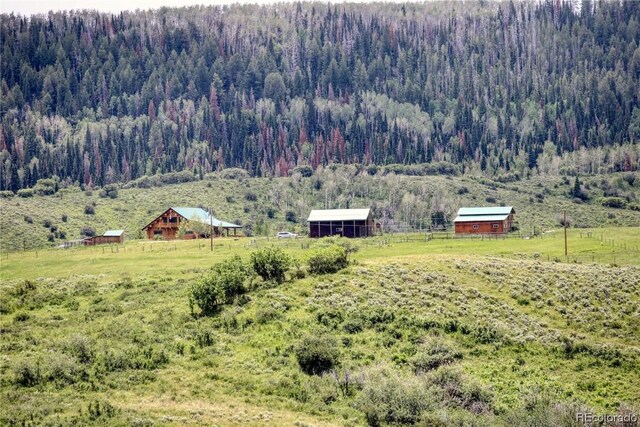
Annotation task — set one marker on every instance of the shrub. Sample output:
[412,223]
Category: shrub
[433,354]
[317,354]
[98,410]
[21,317]
[304,170]
[267,314]
[89,210]
[64,218]
[540,409]
[25,192]
[388,398]
[110,191]
[46,187]
[328,260]
[87,232]
[463,190]
[220,286]
[62,369]
[28,219]
[234,173]
[251,196]
[81,347]
[486,334]
[26,373]
[490,199]
[630,178]
[614,202]
[6,194]
[353,325]
[270,263]
[291,216]
[160,180]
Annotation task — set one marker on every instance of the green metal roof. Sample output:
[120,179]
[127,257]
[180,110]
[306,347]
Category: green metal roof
[193,213]
[491,210]
[480,218]
[203,216]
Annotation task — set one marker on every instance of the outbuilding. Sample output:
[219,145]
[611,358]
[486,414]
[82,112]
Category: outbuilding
[485,220]
[109,237]
[341,222]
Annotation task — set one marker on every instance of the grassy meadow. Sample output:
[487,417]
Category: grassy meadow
[467,331]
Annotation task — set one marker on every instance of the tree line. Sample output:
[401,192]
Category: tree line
[495,88]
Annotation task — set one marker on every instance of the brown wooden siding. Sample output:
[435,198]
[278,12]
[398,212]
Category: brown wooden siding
[103,240]
[483,227]
[166,225]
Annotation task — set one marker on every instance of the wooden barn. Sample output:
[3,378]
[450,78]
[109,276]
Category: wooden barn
[341,222]
[486,220]
[167,225]
[109,237]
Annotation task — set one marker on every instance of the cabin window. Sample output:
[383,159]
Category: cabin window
[495,225]
[476,226]
[157,232]
[173,220]
[165,220]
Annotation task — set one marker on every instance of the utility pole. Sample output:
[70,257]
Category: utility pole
[211,226]
[565,234]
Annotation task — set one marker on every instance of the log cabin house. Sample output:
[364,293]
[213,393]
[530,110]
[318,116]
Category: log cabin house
[341,222]
[167,225]
[485,220]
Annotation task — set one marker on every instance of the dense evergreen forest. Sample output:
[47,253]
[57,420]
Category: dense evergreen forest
[492,88]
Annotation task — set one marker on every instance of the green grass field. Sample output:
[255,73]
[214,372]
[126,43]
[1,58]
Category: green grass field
[512,332]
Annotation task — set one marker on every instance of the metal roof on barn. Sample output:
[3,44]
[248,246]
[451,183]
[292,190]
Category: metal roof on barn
[338,215]
[490,210]
[113,233]
[478,218]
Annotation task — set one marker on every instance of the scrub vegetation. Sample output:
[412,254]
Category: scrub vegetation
[410,332]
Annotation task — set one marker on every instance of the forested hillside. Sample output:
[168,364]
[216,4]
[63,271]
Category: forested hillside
[499,88]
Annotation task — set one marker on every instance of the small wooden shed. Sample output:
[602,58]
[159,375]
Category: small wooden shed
[341,222]
[109,236]
[484,220]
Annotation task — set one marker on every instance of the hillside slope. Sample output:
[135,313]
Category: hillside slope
[436,339]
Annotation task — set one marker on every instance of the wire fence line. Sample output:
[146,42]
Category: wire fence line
[623,253]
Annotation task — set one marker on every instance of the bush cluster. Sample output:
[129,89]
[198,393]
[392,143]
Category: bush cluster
[225,281]
[327,260]
[270,263]
[162,179]
[317,354]
[110,191]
